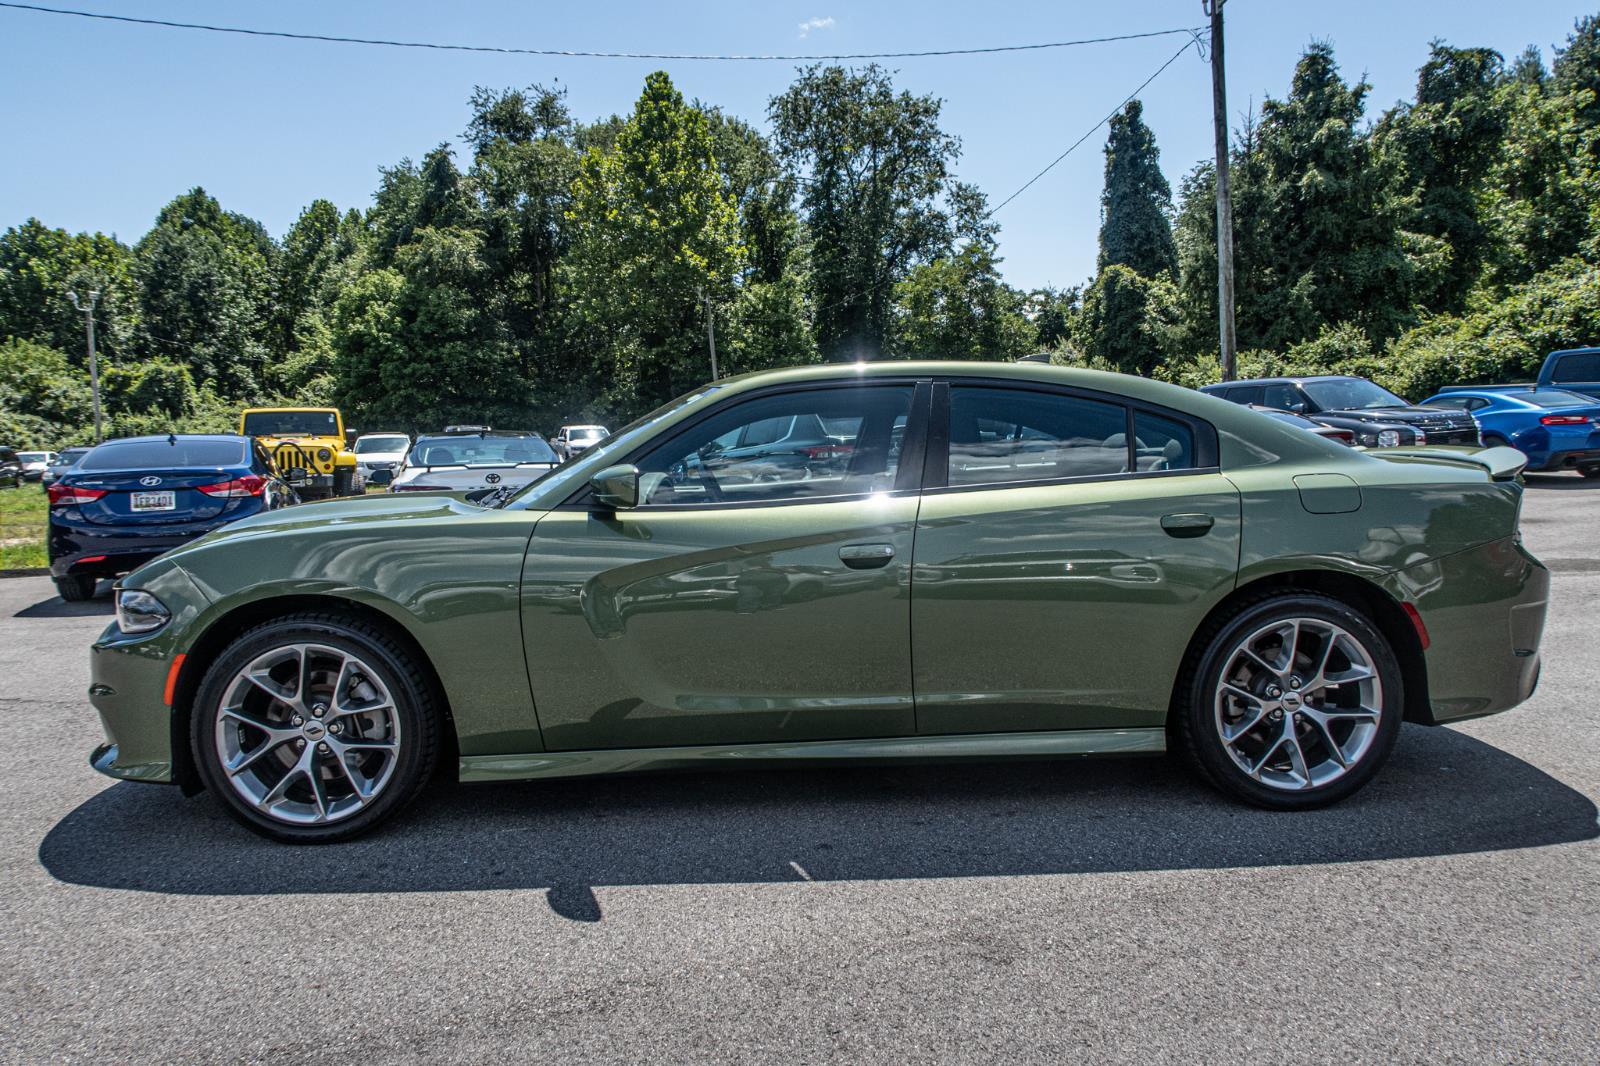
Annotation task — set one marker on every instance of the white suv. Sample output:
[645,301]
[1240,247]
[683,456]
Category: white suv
[570,440]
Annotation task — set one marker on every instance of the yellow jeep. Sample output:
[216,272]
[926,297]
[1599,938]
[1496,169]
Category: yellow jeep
[309,447]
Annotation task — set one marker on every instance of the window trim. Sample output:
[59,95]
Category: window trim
[907,481]
[936,476]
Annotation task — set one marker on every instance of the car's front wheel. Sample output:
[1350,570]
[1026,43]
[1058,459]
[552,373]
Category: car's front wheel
[314,728]
[1295,702]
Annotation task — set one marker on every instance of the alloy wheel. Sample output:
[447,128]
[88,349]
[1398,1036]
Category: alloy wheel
[1298,704]
[307,734]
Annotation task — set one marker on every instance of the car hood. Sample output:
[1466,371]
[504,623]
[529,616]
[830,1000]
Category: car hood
[344,512]
[1401,415]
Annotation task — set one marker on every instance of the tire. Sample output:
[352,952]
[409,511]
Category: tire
[1591,472]
[75,588]
[1339,745]
[298,766]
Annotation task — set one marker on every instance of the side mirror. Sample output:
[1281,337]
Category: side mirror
[616,487]
[1297,408]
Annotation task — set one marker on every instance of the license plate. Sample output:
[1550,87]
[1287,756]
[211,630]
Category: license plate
[155,501]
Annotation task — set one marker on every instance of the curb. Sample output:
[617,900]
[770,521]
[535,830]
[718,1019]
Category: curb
[26,571]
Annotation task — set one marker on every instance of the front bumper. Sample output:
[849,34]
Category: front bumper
[1484,610]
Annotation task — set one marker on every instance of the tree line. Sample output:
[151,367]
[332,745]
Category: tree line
[550,269]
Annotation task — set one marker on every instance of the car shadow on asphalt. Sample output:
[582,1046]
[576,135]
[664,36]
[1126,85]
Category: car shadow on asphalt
[56,607]
[1567,482]
[1443,793]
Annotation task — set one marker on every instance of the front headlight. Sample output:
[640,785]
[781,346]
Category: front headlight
[1389,438]
[323,455]
[140,612]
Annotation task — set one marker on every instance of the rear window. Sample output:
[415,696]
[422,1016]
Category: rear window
[33,457]
[1552,398]
[159,454]
[367,445]
[472,451]
[1579,366]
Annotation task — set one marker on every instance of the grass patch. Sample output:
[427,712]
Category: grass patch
[23,517]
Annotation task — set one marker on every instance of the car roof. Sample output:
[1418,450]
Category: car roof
[1296,379]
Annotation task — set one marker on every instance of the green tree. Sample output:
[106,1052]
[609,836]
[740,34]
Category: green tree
[1128,322]
[657,228]
[874,171]
[37,267]
[1136,204]
[206,292]
[1576,70]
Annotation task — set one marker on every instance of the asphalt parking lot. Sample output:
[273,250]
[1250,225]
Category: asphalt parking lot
[1103,911]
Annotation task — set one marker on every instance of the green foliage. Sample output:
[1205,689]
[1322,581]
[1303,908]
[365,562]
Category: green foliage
[1128,322]
[657,231]
[874,171]
[958,308]
[39,265]
[40,383]
[1136,206]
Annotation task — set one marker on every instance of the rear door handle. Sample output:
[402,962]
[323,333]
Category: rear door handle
[1187,525]
[866,556]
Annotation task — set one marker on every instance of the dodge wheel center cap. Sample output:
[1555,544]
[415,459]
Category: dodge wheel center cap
[313,729]
[1291,701]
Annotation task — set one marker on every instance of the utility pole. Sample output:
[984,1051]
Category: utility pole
[94,363]
[711,333]
[1219,118]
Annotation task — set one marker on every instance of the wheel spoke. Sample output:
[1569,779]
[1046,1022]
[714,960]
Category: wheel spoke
[1297,755]
[1321,722]
[303,692]
[1238,733]
[1266,757]
[246,759]
[358,785]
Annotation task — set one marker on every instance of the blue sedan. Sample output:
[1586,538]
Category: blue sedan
[130,500]
[1555,429]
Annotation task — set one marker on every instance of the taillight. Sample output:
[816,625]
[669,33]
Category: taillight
[828,451]
[249,485]
[67,495]
[1563,420]
[1343,436]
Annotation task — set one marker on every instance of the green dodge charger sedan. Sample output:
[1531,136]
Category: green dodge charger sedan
[841,563]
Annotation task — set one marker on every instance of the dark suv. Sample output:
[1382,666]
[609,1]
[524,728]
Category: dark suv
[1371,412]
[10,467]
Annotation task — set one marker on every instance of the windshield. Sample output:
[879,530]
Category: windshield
[71,455]
[33,457]
[618,443]
[164,455]
[466,450]
[291,424]
[1351,394]
[586,433]
[367,445]
[1552,398]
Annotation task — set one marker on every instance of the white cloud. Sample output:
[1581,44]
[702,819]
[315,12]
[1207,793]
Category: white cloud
[816,24]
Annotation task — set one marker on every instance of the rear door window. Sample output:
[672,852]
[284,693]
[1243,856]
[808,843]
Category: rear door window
[1003,435]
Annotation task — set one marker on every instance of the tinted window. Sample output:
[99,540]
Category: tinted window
[1551,398]
[1580,366]
[1350,394]
[1163,443]
[469,450]
[1450,401]
[1282,397]
[1003,435]
[291,423]
[796,445]
[1245,394]
[382,444]
[159,454]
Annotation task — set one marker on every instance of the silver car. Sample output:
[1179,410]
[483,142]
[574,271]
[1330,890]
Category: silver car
[571,440]
[34,464]
[63,461]
[488,459]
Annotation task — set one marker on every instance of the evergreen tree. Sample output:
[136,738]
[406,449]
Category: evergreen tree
[1136,205]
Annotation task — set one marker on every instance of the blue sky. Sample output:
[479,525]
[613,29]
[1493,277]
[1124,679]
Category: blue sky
[104,123]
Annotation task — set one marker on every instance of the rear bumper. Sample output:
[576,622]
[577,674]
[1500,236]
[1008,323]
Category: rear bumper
[1568,460]
[1484,610]
[78,546]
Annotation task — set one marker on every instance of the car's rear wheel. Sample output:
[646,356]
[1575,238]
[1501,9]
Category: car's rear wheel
[1295,702]
[75,588]
[1590,471]
[314,728]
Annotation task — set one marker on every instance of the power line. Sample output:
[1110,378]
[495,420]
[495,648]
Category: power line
[576,54]
[1093,130]
[1195,41]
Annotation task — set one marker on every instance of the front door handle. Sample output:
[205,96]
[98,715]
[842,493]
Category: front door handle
[1187,525]
[866,556]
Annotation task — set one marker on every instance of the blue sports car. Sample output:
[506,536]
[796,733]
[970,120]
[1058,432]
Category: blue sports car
[1555,429]
[130,500]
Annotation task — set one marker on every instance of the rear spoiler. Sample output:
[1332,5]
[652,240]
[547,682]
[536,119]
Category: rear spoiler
[1501,464]
[1529,387]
